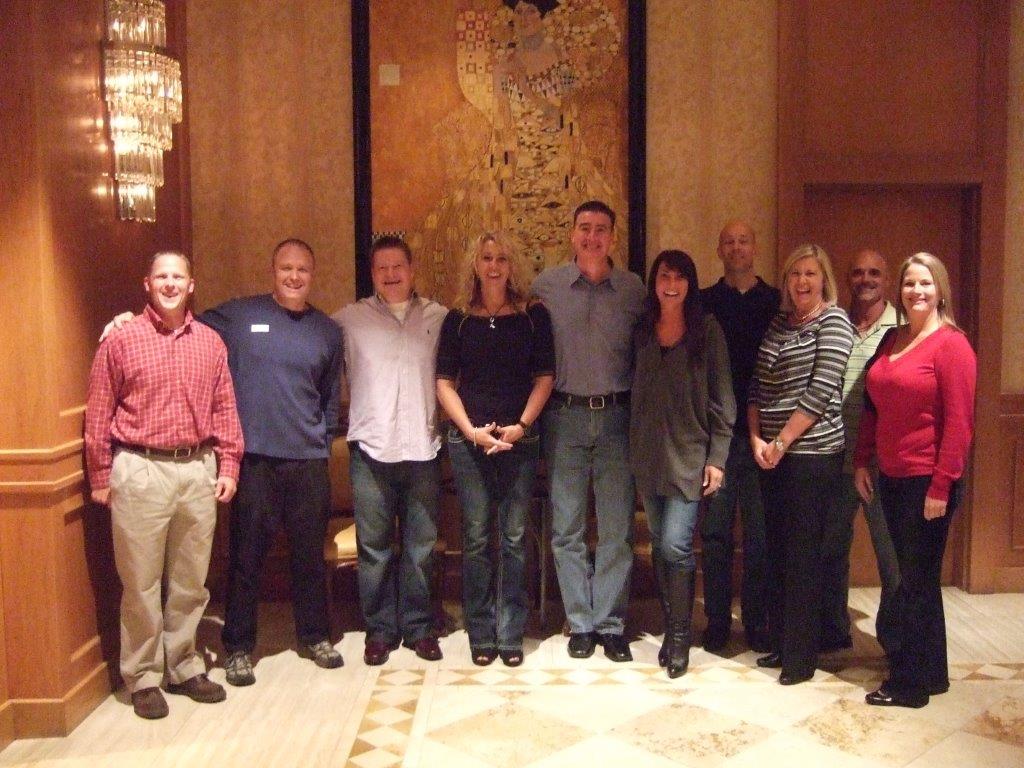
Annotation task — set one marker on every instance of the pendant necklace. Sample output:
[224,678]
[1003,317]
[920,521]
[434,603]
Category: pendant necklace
[493,315]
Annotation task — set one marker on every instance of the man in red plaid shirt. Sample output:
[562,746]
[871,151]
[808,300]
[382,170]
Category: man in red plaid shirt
[163,445]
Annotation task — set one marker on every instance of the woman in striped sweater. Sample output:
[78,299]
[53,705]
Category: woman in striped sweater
[796,433]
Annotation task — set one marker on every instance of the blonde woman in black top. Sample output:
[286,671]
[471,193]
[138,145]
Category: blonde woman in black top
[495,371]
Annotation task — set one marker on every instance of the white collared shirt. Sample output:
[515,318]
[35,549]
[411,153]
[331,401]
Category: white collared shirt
[390,369]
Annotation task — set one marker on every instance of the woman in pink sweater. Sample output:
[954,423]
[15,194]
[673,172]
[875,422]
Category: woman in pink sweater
[918,421]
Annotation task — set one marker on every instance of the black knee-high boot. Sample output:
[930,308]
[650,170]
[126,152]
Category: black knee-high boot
[679,583]
[658,566]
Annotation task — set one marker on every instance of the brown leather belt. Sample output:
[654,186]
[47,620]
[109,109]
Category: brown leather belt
[181,452]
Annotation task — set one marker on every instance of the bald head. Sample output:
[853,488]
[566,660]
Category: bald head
[737,247]
[868,279]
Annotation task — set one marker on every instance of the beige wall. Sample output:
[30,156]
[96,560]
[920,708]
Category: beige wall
[1013,297]
[711,126]
[270,105]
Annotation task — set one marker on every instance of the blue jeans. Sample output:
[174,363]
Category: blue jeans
[740,484]
[580,444]
[835,620]
[395,605]
[672,520]
[494,600]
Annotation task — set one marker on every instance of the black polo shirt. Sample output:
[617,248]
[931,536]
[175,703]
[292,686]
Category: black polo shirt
[744,317]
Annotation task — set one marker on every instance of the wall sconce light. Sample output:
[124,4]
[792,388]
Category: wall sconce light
[142,88]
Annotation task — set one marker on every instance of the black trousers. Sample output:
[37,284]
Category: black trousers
[799,518]
[275,493]
[916,640]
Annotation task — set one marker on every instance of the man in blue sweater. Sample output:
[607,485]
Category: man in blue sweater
[285,357]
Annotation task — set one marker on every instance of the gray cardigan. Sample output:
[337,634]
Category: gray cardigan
[683,411]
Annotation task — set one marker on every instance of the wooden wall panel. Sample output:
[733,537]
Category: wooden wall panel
[75,265]
[893,78]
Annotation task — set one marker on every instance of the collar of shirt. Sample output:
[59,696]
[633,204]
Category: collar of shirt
[153,316]
[576,277]
[885,321]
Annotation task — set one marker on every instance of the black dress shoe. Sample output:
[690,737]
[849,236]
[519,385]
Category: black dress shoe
[426,648]
[887,698]
[790,678]
[376,652]
[771,661]
[581,645]
[616,647]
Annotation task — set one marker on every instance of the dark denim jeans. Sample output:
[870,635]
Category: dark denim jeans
[395,605]
[580,444]
[741,484]
[494,599]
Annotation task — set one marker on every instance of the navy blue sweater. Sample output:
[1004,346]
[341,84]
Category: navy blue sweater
[286,368]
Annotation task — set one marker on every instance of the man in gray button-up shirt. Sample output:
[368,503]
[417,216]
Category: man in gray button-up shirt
[594,308]
[390,342]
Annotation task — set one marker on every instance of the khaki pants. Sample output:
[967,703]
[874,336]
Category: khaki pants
[163,514]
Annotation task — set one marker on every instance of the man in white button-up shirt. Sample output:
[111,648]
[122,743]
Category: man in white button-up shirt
[390,342]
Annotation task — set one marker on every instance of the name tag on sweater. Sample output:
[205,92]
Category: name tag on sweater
[259,328]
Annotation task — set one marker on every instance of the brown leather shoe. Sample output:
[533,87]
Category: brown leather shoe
[149,703]
[377,652]
[199,688]
[426,648]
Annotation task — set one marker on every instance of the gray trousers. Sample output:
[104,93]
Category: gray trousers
[835,618]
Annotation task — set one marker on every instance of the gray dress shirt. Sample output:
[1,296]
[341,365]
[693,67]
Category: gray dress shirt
[390,370]
[593,327]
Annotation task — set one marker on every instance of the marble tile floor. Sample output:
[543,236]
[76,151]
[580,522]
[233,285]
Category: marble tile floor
[556,711]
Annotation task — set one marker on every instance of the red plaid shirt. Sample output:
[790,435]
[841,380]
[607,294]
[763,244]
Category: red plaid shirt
[161,388]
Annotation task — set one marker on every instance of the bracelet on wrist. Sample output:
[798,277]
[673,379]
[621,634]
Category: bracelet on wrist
[525,427]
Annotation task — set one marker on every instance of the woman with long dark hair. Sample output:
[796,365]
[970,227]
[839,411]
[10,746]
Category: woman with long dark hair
[918,419]
[681,422]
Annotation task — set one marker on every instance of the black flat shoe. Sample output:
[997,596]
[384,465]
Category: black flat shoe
[787,678]
[771,661]
[885,698]
[511,658]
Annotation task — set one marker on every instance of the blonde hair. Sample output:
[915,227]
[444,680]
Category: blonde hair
[941,279]
[829,291]
[517,288]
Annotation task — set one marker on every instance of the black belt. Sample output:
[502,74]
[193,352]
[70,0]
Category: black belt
[181,452]
[593,402]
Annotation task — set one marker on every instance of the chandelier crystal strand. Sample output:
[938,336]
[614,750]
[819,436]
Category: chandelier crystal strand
[144,99]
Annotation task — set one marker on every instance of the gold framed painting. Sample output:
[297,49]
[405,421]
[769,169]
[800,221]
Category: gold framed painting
[479,116]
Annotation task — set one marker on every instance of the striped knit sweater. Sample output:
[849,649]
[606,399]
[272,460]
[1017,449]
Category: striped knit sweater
[803,368]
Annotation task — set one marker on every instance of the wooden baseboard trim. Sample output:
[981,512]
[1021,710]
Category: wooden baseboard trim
[41,718]
[6,724]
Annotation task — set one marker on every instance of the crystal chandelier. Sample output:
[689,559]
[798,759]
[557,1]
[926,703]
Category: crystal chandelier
[142,87]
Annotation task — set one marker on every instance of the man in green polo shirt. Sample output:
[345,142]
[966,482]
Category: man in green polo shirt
[873,316]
